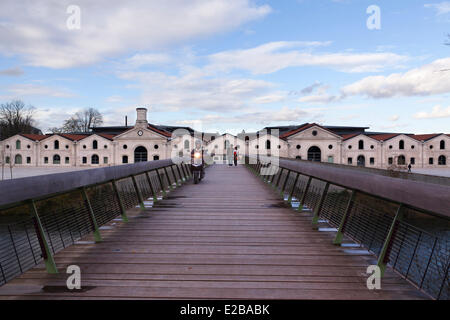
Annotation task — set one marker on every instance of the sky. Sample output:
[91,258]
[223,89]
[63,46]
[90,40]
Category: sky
[231,65]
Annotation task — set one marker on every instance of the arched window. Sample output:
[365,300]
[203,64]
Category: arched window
[442,145]
[94,159]
[247,138]
[401,144]
[314,154]
[140,154]
[268,144]
[213,138]
[442,161]
[401,160]
[7,160]
[361,145]
[186,144]
[155,157]
[56,145]
[18,144]
[18,159]
[226,144]
[56,159]
[94,144]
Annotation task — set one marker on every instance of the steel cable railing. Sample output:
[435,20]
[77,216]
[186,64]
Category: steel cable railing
[395,232]
[49,223]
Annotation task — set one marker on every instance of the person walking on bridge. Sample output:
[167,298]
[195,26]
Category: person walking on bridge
[235,155]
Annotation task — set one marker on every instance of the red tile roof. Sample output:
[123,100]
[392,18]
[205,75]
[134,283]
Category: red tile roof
[164,133]
[424,137]
[106,136]
[349,136]
[306,126]
[384,136]
[34,137]
[74,137]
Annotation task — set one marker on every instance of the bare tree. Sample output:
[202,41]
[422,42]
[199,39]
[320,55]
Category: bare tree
[82,121]
[16,118]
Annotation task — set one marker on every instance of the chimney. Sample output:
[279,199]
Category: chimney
[141,119]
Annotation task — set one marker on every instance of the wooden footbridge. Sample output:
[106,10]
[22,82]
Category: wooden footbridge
[230,237]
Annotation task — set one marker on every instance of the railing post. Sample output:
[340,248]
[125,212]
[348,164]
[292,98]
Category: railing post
[293,188]
[97,235]
[49,261]
[428,264]
[171,187]
[161,184]
[174,176]
[279,177]
[318,208]
[188,170]
[340,232]
[181,175]
[302,200]
[285,183]
[138,193]
[155,197]
[383,258]
[123,212]
[443,282]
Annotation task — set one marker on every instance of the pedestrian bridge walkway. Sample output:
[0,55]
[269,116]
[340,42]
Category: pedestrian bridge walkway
[230,237]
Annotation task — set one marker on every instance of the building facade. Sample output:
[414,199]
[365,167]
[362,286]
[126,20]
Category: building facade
[107,146]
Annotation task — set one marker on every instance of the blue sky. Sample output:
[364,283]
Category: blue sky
[226,66]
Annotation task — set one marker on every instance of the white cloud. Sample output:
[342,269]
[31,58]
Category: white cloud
[285,114]
[139,60]
[275,56]
[21,90]
[394,118]
[441,7]
[12,72]
[112,27]
[195,90]
[426,80]
[436,112]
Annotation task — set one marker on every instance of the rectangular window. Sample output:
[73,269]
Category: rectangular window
[413,161]
[67,160]
[85,160]
[330,159]
[372,161]
[430,161]
[390,160]
[28,160]
[46,160]
[124,159]
[105,160]
[349,160]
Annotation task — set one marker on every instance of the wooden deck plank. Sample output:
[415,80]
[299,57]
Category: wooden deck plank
[229,237]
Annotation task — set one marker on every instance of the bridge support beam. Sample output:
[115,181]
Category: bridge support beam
[123,212]
[302,200]
[161,184]
[97,235]
[318,208]
[138,193]
[152,190]
[340,232]
[383,258]
[289,200]
[47,254]
[177,183]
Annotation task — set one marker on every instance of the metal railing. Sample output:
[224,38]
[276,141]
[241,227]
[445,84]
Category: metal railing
[54,211]
[406,224]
